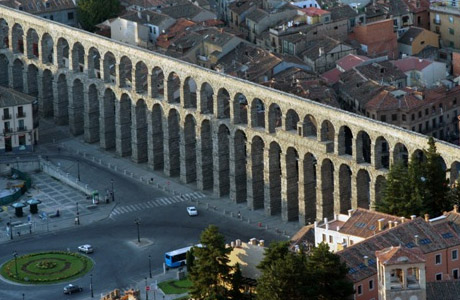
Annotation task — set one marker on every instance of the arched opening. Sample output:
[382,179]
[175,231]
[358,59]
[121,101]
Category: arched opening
[18,39]
[157,158]
[292,186]
[363,189]
[173,144]
[125,69]
[47,49]
[18,79]
[240,108]
[223,144]
[240,166]
[274,184]
[190,149]
[78,57]
[345,141]
[292,118]
[207,99]
[257,113]
[61,112]
[419,155]
[190,93]
[223,104]
[63,53]
[94,63]
[92,126]
[123,129]
[142,75]
[173,88]
[345,188]
[157,82]
[274,117]
[380,184]
[400,153]
[257,180]
[32,44]
[107,123]
[309,127]
[327,188]
[4,31]
[363,148]
[327,135]
[207,163]
[32,80]
[140,141]
[110,68]
[48,95]
[381,153]
[76,109]
[309,181]
[4,67]
[454,171]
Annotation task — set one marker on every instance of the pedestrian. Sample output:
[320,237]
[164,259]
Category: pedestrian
[239,215]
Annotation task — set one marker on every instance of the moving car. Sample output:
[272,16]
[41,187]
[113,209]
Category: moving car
[72,288]
[86,248]
[191,210]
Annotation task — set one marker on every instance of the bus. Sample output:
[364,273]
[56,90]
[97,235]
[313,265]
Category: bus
[176,258]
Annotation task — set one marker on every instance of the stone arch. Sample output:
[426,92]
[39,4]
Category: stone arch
[125,68]
[108,120]
[274,117]
[18,38]
[310,128]
[157,81]
[240,109]
[190,93]
[4,32]
[345,141]
[123,126]
[32,44]
[47,49]
[173,153]
[222,187]
[454,171]
[327,135]
[63,53]
[309,182]
[223,104]
[380,184]
[292,185]
[142,74]
[32,80]
[257,113]
[110,68]
[47,107]
[139,142]
[207,162]
[94,63]
[18,75]
[207,99]
[92,126]
[173,85]
[363,147]
[274,184]
[240,175]
[61,112]
[363,189]
[157,156]
[190,149]
[76,110]
[257,170]
[4,67]
[78,57]
[400,153]
[292,118]
[327,188]
[418,155]
[345,190]
[381,153]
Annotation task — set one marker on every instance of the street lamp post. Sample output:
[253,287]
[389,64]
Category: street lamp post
[146,290]
[77,218]
[91,285]
[150,266]
[113,194]
[138,222]
[15,254]
[78,170]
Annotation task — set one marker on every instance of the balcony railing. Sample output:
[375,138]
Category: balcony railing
[21,115]
[6,117]
[22,128]
[7,130]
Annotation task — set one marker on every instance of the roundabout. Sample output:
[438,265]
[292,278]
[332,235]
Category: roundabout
[46,267]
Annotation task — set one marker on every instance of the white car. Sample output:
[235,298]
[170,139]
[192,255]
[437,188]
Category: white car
[86,248]
[191,210]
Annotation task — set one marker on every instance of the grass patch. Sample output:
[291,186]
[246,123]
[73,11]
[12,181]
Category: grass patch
[46,267]
[175,286]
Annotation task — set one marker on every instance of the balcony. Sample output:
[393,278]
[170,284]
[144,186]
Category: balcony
[7,130]
[21,115]
[22,128]
[6,117]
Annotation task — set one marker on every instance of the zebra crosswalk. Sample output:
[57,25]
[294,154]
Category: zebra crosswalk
[124,209]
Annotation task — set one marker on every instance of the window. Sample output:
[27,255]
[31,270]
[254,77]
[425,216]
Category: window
[331,239]
[419,127]
[22,140]
[371,285]
[21,125]
[454,254]
[451,44]
[51,17]
[420,114]
[413,117]
[455,273]
[438,259]
[454,102]
[394,117]
[427,111]
[383,118]
[360,289]
[439,276]
[451,31]
[70,16]
[413,128]
[404,117]
[451,19]
[324,238]
[373,116]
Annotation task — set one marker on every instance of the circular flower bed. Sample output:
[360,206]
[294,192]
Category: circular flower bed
[46,267]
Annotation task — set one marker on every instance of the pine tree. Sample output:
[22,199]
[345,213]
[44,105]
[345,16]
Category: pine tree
[93,12]
[237,282]
[454,193]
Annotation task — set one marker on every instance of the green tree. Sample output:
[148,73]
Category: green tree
[190,260]
[210,273]
[93,12]
[276,251]
[454,193]
[237,282]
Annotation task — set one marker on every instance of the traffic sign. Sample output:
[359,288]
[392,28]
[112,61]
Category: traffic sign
[147,288]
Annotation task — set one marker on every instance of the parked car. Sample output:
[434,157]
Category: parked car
[86,248]
[191,210]
[72,288]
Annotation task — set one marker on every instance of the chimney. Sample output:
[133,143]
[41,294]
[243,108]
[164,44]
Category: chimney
[416,239]
[148,18]
[253,241]
[326,224]
[427,218]
[320,50]
[350,212]
[380,224]
[262,243]
[390,224]
[455,208]
[366,260]
[395,223]
[238,243]
[413,217]
[403,220]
